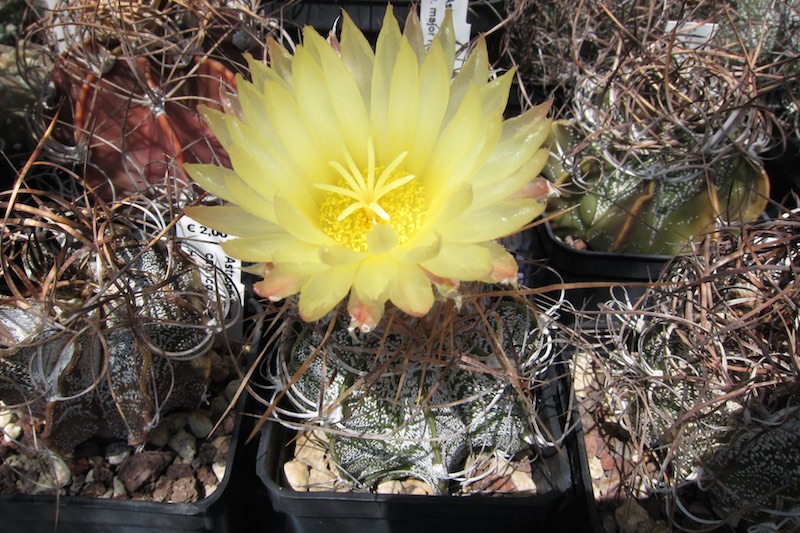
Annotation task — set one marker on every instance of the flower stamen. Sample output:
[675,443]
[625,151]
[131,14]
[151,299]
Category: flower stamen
[362,199]
[366,192]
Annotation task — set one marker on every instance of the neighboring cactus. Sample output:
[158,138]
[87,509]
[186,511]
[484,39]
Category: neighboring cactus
[104,329]
[626,202]
[703,372]
[126,82]
[665,113]
[411,399]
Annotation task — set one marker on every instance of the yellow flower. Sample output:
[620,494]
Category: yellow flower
[373,174]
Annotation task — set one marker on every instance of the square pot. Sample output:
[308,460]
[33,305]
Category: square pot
[559,263]
[562,504]
[83,514]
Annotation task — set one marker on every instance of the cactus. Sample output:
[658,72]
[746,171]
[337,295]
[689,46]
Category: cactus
[612,207]
[126,81]
[703,371]
[408,400]
[664,116]
[104,329]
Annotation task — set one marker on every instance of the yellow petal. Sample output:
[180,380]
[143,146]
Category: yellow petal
[386,51]
[459,261]
[279,59]
[456,145]
[495,94]
[412,292]
[317,104]
[211,178]
[364,314]
[446,37]
[491,222]
[412,31]
[232,219]
[298,223]
[474,72]
[374,277]
[218,122]
[336,254]
[404,101]
[504,266]
[261,161]
[522,136]
[510,185]
[446,207]
[293,130]
[381,239]
[323,291]
[249,200]
[358,56]
[422,246]
[347,102]
[278,284]
[434,92]
[275,247]
[261,73]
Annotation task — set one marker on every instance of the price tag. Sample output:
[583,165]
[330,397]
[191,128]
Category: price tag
[219,271]
[694,35]
[432,15]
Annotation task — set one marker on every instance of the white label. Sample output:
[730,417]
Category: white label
[432,15]
[693,35]
[219,271]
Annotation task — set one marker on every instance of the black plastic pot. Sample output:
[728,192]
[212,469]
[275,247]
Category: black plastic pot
[564,506]
[79,514]
[602,274]
[368,14]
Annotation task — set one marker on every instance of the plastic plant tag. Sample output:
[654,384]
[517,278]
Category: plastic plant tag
[693,35]
[431,16]
[221,272]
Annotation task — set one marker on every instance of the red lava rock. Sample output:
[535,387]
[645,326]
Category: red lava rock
[8,480]
[222,452]
[227,425]
[179,471]
[140,468]
[206,453]
[185,491]
[79,466]
[590,440]
[182,490]
[94,490]
[163,489]
[206,476]
[606,461]
[102,472]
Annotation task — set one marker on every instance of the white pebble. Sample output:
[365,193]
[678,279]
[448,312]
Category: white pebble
[219,471]
[119,487]
[57,475]
[160,435]
[297,475]
[230,390]
[12,432]
[200,425]
[523,481]
[6,417]
[117,452]
[184,444]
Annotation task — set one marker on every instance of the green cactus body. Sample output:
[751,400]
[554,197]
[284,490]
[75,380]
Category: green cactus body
[112,369]
[757,471]
[406,409]
[618,211]
[703,371]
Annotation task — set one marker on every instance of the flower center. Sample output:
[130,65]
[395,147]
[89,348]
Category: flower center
[361,199]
